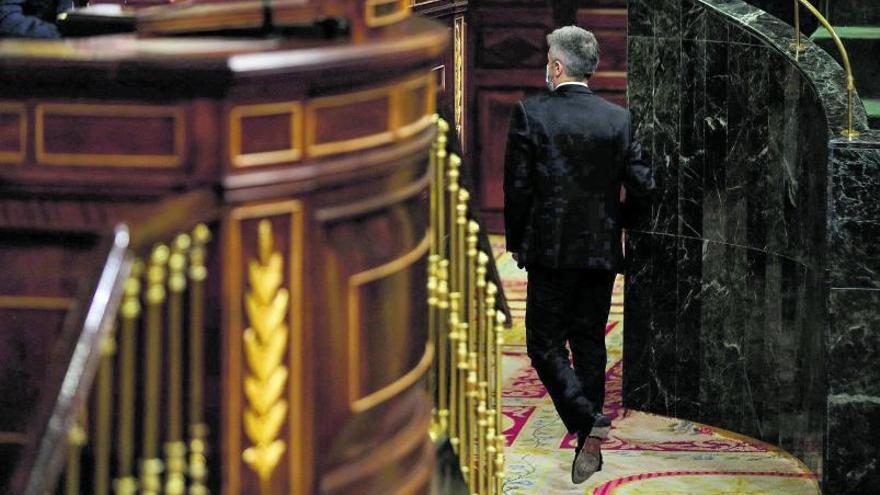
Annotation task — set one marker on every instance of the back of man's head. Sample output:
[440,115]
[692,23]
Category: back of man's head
[577,49]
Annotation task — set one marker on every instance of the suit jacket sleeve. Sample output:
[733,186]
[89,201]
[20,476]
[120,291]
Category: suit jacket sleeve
[15,23]
[518,163]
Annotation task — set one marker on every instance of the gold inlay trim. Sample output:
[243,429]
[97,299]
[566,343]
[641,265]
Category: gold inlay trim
[12,438]
[313,148]
[296,420]
[428,83]
[400,13]
[20,110]
[395,128]
[36,303]
[610,73]
[358,403]
[110,159]
[265,346]
[398,386]
[459,33]
[238,113]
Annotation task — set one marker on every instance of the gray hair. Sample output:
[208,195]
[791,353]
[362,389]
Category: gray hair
[577,48]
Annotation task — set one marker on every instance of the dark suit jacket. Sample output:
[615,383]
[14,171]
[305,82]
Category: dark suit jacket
[31,18]
[568,153]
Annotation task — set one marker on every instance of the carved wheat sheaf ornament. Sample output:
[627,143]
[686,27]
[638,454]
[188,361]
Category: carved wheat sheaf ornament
[265,342]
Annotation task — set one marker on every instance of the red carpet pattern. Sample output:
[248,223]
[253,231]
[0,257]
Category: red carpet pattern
[644,454]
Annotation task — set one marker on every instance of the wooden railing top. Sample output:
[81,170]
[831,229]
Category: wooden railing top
[215,61]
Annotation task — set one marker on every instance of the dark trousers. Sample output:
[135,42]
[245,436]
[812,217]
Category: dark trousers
[569,306]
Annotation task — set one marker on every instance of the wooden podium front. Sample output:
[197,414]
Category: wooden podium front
[310,160]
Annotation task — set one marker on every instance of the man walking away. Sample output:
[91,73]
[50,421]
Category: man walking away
[568,154]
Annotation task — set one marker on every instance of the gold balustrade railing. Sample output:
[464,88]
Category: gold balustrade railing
[849,132]
[154,352]
[465,328]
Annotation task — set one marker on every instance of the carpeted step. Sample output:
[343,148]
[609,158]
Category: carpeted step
[863,45]
[854,12]
[872,106]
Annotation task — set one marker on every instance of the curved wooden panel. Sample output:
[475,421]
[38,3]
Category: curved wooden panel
[265,427]
[386,281]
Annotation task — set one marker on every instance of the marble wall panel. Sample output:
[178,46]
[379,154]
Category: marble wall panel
[691,166]
[853,236]
[727,294]
[851,458]
[853,339]
[653,340]
[688,368]
[640,15]
[853,392]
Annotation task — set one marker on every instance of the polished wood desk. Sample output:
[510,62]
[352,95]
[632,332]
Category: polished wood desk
[309,160]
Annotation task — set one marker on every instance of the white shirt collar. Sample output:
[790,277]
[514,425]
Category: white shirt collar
[573,82]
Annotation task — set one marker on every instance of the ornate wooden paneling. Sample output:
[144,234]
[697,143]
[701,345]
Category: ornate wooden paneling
[455,68]
[106,134]
[319,158]
[262,134]
[376,251]
[504,48]
[494,114]
[266,428]
[39,283]
[372,334]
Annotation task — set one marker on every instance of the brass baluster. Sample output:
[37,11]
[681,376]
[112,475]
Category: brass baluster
[175,448]
[151,464]
[461,264]
[440,172]
[462,369]
[473,230]
[129,311]
[490,452]
[433,261]
[443,336]
[463,353]
[499,420]
[198,429]
[482,429]
[483,386]
[77,437]
[452,202]
[455,301]
[453,339]
[472,399]
[433,334]
[104,415]
[442,317]
[494,429]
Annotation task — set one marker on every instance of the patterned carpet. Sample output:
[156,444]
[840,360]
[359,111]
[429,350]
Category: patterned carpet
[644,454]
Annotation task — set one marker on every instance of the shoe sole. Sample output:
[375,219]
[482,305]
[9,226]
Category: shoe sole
[585,466]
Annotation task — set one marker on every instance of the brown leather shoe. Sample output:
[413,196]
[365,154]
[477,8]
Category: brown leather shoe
[587,461]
